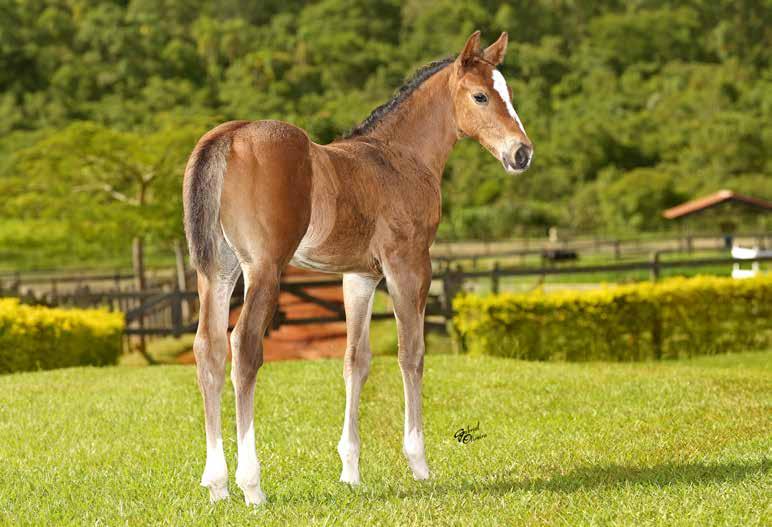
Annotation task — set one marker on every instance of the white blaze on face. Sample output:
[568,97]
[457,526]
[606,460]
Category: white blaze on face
[500,85]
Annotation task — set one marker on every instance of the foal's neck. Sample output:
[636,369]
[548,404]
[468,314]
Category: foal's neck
[424,125]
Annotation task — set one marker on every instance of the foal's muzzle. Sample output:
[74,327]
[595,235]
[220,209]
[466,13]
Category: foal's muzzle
[518,159]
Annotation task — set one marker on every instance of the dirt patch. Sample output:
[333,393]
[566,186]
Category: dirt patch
[312,341]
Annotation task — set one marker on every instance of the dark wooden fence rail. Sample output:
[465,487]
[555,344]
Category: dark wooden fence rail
[620,248]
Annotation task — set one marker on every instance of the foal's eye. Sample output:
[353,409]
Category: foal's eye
[480,98]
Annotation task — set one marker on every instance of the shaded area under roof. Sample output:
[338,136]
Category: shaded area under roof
[720,197]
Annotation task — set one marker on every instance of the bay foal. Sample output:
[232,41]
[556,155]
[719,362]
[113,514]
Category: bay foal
[259,195]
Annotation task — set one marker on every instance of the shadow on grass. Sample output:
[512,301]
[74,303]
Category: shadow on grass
[579,479]
[594,477]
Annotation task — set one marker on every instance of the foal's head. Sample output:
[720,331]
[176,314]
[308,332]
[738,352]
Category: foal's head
[483,106]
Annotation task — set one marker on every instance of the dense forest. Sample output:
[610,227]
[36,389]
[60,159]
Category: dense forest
[633,106]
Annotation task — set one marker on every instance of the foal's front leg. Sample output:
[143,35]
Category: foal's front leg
[262,291]
[408,283]
[358,292]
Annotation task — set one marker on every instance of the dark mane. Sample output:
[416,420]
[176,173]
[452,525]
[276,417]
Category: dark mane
[403,93]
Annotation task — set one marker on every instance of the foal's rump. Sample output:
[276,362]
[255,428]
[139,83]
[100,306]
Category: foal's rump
[247,187]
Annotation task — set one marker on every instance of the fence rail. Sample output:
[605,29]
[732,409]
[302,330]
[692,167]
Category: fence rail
[655,264]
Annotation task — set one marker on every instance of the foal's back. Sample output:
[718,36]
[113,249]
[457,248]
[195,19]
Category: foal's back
[333,206]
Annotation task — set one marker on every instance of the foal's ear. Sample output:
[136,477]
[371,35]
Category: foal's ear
[496,51]
[471,49]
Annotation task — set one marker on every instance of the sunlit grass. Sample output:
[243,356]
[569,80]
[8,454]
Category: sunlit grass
[164,350]
[678,443]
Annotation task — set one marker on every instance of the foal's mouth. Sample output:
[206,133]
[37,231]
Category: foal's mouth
[513,168]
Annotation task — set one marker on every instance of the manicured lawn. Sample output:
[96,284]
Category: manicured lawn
[685,443]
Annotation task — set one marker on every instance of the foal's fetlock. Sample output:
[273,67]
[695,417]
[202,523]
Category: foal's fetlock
[350,458]
[416,459]
[250,486]
[218,487]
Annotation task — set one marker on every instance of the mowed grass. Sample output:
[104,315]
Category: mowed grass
[678,443]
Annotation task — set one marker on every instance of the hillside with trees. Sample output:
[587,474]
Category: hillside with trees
[632,106]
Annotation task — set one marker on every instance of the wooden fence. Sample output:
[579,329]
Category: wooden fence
[169,308]
[173,312]
[444,255]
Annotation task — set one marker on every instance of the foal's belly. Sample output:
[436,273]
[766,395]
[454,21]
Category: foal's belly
[341,226]
[306,260]
[334,255]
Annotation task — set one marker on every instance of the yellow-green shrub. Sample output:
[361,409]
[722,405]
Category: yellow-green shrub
[33,338]
[679,317]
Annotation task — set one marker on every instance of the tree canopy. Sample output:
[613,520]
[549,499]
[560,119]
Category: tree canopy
[632,106]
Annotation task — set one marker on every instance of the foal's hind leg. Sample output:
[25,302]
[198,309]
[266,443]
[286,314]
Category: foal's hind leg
[262,291]
[358,291]
[211,350]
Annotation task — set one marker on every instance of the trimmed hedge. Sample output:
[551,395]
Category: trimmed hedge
[41,338]
[679,317]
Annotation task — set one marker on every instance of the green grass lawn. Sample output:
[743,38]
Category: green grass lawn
[679,443]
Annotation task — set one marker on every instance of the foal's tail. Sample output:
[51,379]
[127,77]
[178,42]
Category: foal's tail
[201,192]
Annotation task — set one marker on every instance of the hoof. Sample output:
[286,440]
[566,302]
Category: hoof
[253,496]
[350,475]
[217,493]
[420,469]
[421,475]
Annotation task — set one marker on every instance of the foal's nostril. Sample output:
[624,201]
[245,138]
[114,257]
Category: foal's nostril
[522,157]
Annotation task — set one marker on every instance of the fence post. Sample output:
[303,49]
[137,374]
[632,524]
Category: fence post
[452,282]
[617,250]
[656,336]
[277,319]
[54,292]
[138,263]
[182,284]
[176,307]
[495,278]
[654,266]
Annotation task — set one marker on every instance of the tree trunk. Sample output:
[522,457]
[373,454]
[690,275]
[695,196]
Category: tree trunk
[138,262]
